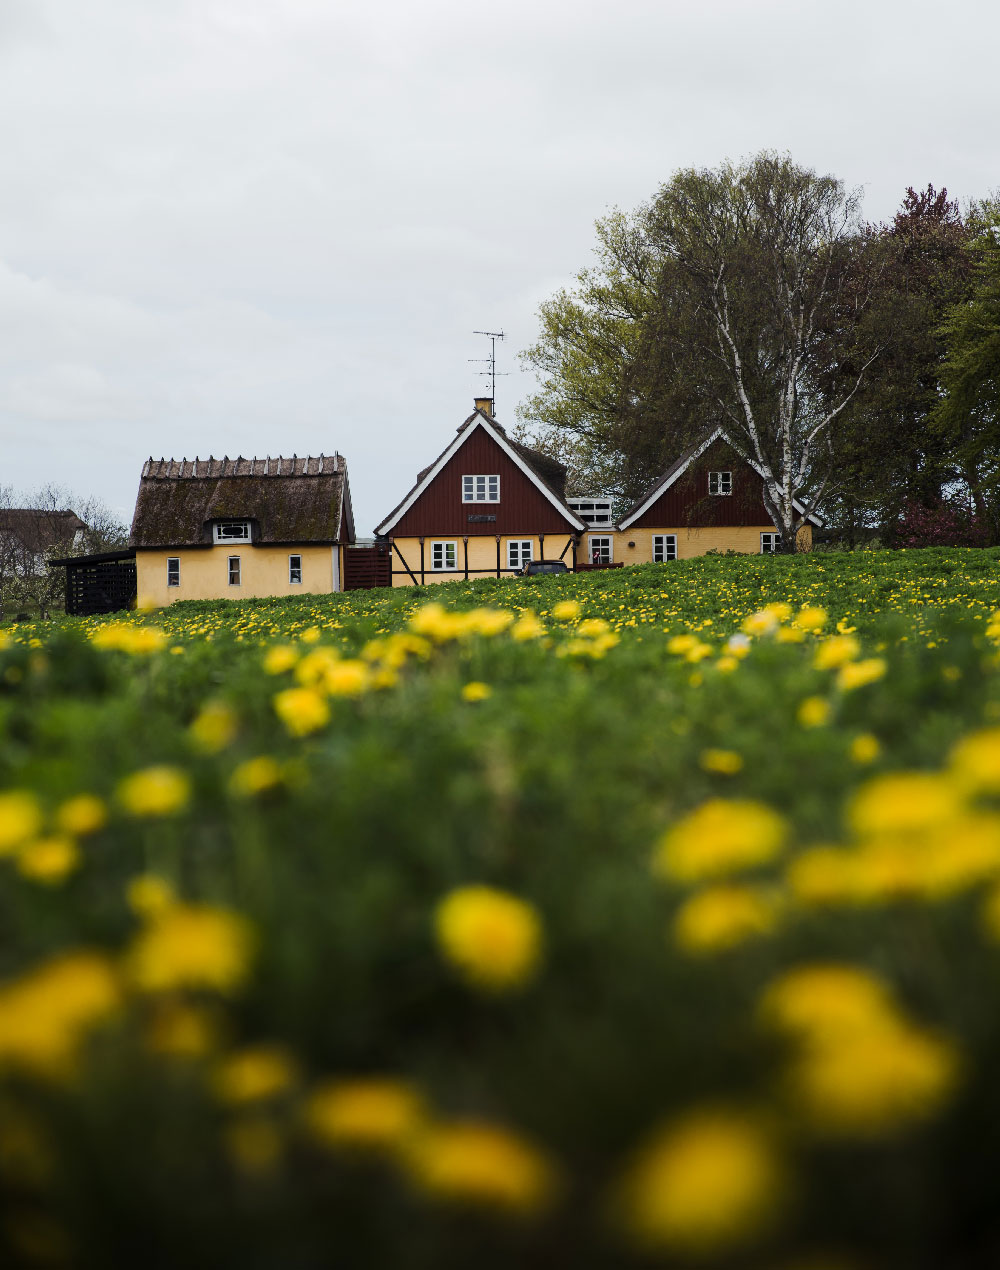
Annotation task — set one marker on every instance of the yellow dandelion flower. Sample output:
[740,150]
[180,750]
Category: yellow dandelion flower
[494,939]
[480,1165]
[148,893]
[700,1187]
[763,622]
[566,610]
[718,838]
[367,1114]
[975,762]
[488,622]
[155,791]
[811,618]
[725,762]
[48,861]
[724,917]
[593,627]
[904,803]
[883,1080]
[255,1074]
[865,749]
[857,674]
[45,1014]
[814,712]
[255,776]
[527,627]
[476,691]
[302,710]
[82,815]
[191,946]
[822,875]
[20,819]
[280,658]
[214,727]
[822,1002]
[836,651]
[347,678]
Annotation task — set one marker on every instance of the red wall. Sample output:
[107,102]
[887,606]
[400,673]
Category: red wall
[439,510]
[687,503]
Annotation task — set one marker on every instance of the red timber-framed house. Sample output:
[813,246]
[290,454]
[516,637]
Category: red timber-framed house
[484,507]
[711,499]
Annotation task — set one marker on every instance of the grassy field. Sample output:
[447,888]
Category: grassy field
[634,917]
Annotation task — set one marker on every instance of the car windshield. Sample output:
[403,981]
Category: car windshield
[548,566]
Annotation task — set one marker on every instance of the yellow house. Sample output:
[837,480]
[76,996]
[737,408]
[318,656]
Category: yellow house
[208,529]
[711,499]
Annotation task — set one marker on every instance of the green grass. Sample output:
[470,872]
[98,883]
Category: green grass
[555,788]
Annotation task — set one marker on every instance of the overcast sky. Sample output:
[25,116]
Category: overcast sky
[271,226]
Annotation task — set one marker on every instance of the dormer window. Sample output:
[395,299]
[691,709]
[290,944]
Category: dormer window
[594,512]
[720,482]
[231,531]
[480,489]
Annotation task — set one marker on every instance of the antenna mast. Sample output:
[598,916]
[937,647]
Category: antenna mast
[491,374]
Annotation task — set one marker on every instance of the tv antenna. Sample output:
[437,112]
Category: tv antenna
[492,373]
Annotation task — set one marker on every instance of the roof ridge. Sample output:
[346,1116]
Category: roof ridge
[164,469]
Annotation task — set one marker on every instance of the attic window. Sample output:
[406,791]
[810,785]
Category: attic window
[595,512]
[231,531]
[480,489]
[720,482]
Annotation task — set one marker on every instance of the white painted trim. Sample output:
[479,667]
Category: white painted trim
[665,485]
[444,568]
[610,538]
[463,436]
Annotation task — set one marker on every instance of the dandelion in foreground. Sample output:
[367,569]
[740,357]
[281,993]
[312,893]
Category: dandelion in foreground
[718,838]
[155,791]
[703,1186]
[475,1164]
[476,691]
[191,946]
[492,938]
[302,710]
[366,1114]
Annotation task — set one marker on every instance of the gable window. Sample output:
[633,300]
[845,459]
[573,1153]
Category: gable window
[720,482]
[518,552]
[173,570]
[599,549]
[231,531]
[294,569]
[595,512]
[480,489]
[234,571]
[444,555]
[769,544]
[664,547]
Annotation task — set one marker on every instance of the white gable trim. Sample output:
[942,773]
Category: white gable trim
[665,485]
[463,436]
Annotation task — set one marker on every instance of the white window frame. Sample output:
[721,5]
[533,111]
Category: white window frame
[242,536]
[600,512]
[519,552]
[664,548]
[775,545]
[481,489]
[294,569]
[601,538]
[723,482]
[173,570]
[440,551]
[238,579]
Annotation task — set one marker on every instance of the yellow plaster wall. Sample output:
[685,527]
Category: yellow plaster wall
[695,542]
[205,573]
[482,556]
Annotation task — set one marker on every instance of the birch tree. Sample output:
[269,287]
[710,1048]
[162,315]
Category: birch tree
[753,278]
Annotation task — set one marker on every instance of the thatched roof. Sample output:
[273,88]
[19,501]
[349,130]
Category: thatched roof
[296,500]
[37,529]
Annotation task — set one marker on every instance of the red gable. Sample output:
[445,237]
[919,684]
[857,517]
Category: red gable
[688,503]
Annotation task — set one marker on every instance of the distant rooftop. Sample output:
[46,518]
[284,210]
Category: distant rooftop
[184,469]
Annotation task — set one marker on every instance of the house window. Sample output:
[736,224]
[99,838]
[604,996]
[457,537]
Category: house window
[518,552]
[173,570]
[664,547]
[595,512]
[232,531]
[444,555]
[599,550]
[720,482]
[480,489]
[234,571]
[294,569]
[769,544]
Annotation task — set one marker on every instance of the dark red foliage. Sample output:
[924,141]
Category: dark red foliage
[947,524]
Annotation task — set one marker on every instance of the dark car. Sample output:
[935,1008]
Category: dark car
[531,567]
